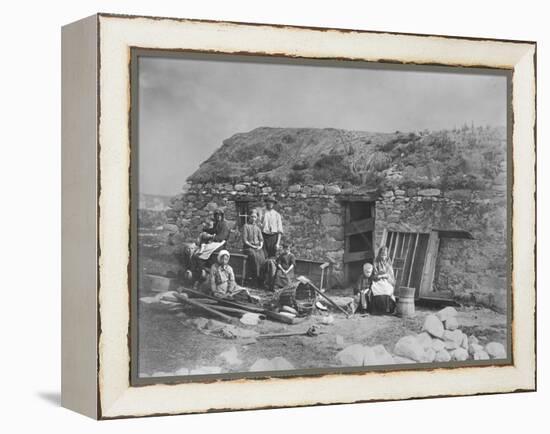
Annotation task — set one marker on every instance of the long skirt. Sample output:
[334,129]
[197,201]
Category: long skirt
[256,260]
[381,304]
[270,245]
[282,280]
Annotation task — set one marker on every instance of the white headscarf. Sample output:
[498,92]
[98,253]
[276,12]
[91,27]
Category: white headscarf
[222,253]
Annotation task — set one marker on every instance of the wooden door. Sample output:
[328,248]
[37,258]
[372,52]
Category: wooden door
[358,235]
[411,262]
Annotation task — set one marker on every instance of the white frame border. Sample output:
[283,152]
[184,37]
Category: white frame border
[116,35]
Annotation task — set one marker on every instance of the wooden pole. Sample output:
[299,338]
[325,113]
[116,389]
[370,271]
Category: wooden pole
[412,260]
[185,299]
[318,291]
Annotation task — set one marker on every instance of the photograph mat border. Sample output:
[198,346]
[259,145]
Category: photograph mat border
[135,54]
[117,398]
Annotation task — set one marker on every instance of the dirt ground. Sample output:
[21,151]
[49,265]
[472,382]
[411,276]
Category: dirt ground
[170,341]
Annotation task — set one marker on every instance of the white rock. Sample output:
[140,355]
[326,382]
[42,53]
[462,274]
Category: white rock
[231,356]
[450,345]
[409,347]
[447,312]
[250,318]
[352,355]
[438,345]
[473,340]
[399,360]
[182,371]
[281,364]
[339,341]
[428,356]
[481,355]
[433,326]
[381,356]
[442,356]
[464,343]
[425,340]
[460,354]
[451,323]
[496,350]
[474,348]
[453,336]
[260,365]
[161,374]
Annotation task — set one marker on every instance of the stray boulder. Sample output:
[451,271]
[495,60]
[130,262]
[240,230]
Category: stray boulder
[425,340]
[381,356]
[352,355]
[409,347]
[446,313]
[496,350]
[455,336]
[442,356]
[475,348]
[451,323]
[433,326]
[438,345]
[460,354]
[398,360]
[481,355]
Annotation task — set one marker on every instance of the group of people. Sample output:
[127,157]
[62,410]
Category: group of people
[270,261]
[272,264]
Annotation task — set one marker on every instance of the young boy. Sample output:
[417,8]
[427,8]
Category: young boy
[362,290]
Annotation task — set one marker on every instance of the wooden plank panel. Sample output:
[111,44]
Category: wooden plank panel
[429,266]
[359,226]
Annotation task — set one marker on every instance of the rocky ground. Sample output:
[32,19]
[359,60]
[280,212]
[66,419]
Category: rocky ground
[188,342]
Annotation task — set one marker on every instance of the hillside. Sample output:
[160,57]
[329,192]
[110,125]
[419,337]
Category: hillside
[460,158]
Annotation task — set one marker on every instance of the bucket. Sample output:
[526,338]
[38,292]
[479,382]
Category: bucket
[405,304]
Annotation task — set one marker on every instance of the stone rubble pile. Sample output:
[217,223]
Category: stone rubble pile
[440,340]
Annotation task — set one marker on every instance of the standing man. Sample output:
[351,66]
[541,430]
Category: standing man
[272,228]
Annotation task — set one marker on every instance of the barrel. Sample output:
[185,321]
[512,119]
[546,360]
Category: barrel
[405,304]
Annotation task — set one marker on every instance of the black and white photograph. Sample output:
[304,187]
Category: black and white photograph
[304,216]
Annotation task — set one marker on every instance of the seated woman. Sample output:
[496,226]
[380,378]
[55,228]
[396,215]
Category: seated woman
[253,243]
[362,291]
[383,300]
[202,258]
[285,268]
[222,280]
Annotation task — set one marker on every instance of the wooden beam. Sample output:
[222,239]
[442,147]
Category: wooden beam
[359,226]
[428,271]
[412,260]
[357,256]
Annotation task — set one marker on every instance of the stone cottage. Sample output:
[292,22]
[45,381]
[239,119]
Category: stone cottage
[436,199]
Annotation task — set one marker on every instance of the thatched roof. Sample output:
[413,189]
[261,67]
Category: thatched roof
[464,157]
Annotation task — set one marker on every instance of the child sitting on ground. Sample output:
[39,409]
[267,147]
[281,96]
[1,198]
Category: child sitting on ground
[362,291]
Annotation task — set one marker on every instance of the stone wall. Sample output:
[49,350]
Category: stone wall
[312,216]
[474,270]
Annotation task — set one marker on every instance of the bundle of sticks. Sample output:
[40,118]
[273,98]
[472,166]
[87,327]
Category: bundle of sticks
[227,310]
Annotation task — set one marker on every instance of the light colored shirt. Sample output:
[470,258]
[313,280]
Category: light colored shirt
[272,222]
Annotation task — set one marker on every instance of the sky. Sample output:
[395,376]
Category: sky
[188,106]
